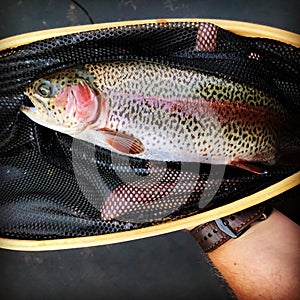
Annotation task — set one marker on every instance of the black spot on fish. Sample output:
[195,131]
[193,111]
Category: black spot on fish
[220,95]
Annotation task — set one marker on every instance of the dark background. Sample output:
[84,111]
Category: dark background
[170,266]
[20,16]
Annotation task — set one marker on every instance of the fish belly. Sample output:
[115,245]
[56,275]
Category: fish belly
[192,130]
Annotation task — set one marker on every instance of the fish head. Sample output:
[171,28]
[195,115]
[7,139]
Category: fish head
[66,102]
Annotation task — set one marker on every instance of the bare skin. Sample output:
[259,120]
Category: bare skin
[264,262]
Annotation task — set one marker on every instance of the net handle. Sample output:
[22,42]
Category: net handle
[241,28]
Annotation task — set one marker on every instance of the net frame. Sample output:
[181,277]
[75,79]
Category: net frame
[245,29]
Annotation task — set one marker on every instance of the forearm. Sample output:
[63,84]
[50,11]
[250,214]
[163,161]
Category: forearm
[264,262]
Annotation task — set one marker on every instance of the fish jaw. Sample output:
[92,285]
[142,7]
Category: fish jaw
[39,105]
[33,114]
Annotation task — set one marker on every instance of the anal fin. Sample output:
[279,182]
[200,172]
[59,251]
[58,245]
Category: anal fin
[246,165]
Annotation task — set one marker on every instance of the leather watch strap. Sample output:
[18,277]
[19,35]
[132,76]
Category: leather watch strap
[215,233]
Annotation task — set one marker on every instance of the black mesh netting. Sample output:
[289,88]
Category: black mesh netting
[54,187]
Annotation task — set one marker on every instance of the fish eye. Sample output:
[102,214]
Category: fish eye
[45,89]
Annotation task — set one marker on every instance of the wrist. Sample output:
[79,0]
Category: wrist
[263,262]
[213,234]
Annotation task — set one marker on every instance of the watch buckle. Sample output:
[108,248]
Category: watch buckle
[225,228]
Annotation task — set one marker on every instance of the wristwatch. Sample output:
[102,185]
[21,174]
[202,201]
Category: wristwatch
[213,234]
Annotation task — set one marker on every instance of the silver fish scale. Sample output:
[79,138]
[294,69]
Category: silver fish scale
[164,133]
[167,109]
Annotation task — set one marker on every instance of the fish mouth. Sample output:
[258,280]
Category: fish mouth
[28,110]
[34,114]
[46,121]
[36,103]
[42,115]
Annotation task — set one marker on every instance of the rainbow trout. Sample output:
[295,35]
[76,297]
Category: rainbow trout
[153,111]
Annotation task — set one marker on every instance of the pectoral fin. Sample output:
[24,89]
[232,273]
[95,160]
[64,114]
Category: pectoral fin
[248,166]
[122,142]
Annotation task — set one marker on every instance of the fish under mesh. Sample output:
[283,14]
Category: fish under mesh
[55,187]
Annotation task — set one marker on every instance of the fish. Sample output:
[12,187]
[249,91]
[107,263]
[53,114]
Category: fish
[160,112]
